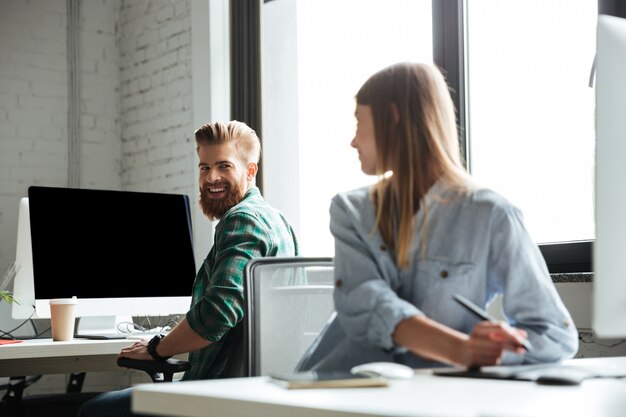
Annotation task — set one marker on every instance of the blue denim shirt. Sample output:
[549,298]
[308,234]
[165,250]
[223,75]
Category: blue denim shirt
[475,245]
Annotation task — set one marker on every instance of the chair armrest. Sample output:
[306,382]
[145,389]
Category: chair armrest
[154,368]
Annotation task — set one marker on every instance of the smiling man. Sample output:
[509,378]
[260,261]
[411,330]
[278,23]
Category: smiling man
[248,228]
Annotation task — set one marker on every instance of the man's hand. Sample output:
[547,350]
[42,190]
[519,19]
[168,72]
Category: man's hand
[137,350]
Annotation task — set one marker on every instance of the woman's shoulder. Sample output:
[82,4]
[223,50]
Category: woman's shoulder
[484,196]
[357,197]
[354,206]
[482,193]
[470,194]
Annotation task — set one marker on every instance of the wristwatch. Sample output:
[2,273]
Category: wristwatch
[152,344]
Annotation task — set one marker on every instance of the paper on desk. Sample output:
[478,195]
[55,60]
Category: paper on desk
[8,341]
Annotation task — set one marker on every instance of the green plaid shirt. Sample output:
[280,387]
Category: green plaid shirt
[251,229]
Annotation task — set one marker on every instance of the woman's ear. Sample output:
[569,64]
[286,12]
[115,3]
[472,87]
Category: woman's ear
[253,168]
[395,113]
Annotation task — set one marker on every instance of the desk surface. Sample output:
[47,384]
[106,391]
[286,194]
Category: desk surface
[43,356]
[423,395]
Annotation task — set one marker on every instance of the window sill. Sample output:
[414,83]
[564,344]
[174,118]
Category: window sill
[572,277]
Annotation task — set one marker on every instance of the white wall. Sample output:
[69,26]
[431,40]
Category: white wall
[281,161]
[34,103]
[155,95]
[100,128]
[136,129]
[33,107]
[136,118]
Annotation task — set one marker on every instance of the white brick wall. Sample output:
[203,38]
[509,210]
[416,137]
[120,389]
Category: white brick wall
[155,89]
[135,109]
[33,107]
[100,129]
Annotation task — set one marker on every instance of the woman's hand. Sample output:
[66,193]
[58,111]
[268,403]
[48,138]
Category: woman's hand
[489,340]
[137,350]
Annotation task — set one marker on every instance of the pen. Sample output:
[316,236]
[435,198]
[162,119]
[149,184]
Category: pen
[482,314]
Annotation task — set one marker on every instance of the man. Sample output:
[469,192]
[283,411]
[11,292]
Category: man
[248,228]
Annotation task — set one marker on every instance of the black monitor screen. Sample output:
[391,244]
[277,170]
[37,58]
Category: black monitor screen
[110,244]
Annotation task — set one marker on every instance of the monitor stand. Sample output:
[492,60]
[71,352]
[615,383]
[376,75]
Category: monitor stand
[102,327]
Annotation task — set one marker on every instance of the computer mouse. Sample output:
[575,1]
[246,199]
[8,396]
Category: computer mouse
[563,375]
[388,370]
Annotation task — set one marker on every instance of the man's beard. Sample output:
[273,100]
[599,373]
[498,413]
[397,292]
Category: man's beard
[215,209]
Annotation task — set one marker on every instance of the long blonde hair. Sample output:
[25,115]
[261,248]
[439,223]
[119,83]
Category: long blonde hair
[416,139]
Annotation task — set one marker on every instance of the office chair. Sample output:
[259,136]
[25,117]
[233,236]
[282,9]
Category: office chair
[42,405]
[288,300]
[158,371]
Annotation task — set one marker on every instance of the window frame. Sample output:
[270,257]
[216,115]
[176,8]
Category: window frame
[245,64]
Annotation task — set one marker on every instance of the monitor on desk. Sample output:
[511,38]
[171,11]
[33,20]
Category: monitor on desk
[120,253]
[609,255]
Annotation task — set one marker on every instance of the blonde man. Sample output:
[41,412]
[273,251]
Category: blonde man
[248,228]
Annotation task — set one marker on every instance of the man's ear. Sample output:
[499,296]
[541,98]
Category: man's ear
[253,168]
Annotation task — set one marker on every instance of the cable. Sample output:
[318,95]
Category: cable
[9,333]
[146,325]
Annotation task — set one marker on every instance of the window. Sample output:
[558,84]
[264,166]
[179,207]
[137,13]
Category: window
[530,121]
[520,73]
[316,54]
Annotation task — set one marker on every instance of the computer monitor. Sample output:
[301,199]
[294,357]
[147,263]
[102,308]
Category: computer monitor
[609,253]
[120,253]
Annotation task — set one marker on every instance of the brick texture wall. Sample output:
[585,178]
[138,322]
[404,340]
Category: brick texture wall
[136,129]
[155,96]
[33,107]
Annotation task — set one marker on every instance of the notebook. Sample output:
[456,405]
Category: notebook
[313,379]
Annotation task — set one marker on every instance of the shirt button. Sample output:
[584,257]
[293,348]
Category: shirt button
[443,274]
[566,323]
[383,248]
[338,283]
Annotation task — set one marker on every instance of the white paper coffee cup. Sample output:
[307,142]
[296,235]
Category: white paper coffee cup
[62,314]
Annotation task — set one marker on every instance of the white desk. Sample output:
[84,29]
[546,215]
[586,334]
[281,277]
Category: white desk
[43,356]
[423,395]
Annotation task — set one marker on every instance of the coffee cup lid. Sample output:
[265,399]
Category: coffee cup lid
[72,300]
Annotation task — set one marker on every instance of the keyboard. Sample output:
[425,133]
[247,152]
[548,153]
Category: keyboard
[102,336]
[133,336]
[142,335]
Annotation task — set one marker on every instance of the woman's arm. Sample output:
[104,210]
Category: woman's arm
[485,346]
[530,299]
[368,307]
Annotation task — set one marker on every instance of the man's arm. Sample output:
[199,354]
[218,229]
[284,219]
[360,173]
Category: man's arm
[181,339]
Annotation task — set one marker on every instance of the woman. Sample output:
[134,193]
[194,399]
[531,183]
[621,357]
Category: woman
[425,232]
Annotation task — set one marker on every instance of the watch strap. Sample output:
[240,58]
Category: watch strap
[151,347]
